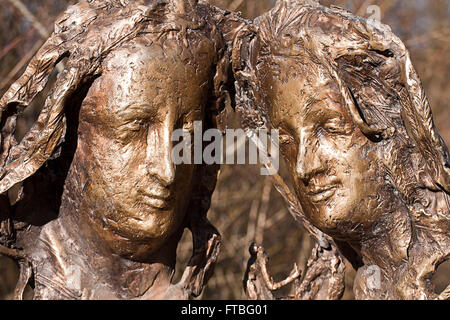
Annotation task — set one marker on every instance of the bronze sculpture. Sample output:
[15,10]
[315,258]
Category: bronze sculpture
[101,206]
[368,166]
[92,208]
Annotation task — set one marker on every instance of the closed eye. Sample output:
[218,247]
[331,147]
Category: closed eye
[333,129]
[134,125]
[336,126]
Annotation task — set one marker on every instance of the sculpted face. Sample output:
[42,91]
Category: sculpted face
[131,187]
[333,165]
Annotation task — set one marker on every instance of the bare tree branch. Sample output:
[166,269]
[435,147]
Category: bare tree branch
[43,32]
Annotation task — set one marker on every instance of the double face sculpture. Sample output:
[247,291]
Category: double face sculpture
[93,207]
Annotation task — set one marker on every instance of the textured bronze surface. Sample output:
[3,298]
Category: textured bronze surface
[369,168]
[101,206]
[92,207]
[323,279]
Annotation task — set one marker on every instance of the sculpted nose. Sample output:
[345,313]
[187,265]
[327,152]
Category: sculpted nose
[308,159]
[159,162]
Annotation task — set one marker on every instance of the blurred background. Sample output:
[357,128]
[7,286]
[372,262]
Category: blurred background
[245,207]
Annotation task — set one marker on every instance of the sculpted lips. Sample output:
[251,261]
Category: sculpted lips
[158,200]
[319,193]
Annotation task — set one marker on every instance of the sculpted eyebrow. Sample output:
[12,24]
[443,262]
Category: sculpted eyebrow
[319,112]
[138,110]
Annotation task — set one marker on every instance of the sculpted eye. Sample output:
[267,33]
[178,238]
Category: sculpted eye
[336,126]
[332,128]
[135,125]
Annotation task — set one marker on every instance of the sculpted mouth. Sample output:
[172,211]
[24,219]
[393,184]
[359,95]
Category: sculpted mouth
[322,193]
[158,201]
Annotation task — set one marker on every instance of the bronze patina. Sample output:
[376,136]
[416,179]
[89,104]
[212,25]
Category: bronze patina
[367,164]
[101,206]
[92,206]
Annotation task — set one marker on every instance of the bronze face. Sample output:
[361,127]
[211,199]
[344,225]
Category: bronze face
[333,165]
[132,188]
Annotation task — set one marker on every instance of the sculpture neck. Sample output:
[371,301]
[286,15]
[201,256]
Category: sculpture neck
[71,262]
